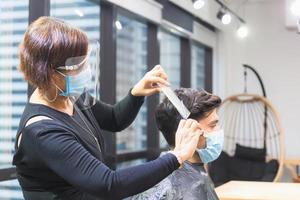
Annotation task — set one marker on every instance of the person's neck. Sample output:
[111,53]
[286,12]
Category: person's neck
[62,104]
[195,159]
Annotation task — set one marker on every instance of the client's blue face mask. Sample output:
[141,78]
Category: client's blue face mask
[214,146]
[76,84]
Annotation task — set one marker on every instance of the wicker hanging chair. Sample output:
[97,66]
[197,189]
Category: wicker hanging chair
[253,144]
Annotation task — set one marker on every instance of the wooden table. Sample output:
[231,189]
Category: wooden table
[251,190]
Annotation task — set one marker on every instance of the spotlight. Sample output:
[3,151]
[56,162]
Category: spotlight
[198,4]
[118,25]
[79,12]
[295,8]
[242,31]
[224,17]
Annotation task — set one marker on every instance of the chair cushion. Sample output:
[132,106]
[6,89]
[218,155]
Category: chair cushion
[249,153]
[227,168]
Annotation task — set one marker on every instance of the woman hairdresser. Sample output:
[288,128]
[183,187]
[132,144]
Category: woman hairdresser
[59,147]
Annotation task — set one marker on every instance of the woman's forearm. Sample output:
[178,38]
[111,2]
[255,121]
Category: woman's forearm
[119,116]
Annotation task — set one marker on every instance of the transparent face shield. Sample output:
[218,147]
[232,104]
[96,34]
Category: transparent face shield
[81,75]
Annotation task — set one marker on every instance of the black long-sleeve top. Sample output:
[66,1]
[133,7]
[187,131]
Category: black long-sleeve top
[58,158]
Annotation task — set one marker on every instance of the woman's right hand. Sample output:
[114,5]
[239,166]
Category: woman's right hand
[148,85]
[186,139]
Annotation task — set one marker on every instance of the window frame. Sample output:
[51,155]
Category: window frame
[208,64]
[151,151]
[138,154]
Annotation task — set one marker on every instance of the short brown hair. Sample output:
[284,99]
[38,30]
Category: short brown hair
[199,102]
[46,45]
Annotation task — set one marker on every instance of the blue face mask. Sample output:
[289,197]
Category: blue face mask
[214,146]
[76,84]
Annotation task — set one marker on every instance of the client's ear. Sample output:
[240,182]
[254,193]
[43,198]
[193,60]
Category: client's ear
[201,143]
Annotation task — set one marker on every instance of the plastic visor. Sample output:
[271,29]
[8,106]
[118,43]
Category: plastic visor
[82,77]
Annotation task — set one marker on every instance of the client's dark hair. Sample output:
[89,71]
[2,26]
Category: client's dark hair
[199,102]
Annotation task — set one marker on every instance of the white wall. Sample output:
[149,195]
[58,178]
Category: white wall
[275,52]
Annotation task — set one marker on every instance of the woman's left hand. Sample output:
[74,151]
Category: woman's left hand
[149,84]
